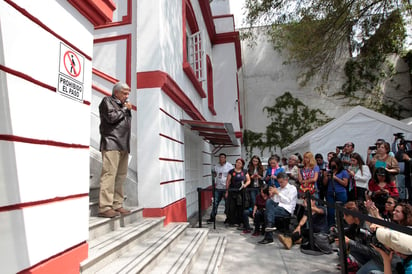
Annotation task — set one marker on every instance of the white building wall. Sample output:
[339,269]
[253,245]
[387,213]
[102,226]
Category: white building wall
[43,175]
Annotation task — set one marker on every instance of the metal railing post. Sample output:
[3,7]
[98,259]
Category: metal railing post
[341,231]
[310,221]
[199,204]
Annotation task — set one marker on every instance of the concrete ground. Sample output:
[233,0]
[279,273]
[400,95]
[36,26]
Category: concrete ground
[244,255]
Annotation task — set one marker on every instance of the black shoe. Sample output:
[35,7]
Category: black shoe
[210,221]
[265,241]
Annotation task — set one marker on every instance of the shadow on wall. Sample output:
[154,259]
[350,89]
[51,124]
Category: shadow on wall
[11,221]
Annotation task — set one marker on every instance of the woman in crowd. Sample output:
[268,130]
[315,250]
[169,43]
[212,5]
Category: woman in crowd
[382,159]
[259,211]
[402,214]
[381,187]
[336,181]
[237,180]
[359,178]
[308,175]
[292,170]
[255,170]
[387,213]
[273,170]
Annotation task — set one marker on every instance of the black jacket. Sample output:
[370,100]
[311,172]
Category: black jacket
[115,125]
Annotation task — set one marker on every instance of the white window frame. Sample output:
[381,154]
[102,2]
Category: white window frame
[197,55]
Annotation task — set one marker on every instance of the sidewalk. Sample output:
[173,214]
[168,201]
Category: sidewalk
[244,255]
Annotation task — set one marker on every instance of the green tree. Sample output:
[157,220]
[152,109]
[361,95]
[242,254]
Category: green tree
[290,119]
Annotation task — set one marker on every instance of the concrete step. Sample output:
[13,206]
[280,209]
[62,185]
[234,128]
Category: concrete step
[105,248]
[184,253]
[101,226]
[141,258]
[211,255]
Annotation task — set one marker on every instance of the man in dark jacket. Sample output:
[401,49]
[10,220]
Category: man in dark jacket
[115,125]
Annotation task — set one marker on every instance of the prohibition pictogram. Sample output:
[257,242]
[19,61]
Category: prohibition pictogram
[72,63]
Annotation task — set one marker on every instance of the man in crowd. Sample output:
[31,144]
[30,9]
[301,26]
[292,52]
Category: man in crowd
[115,126]
[282,203]
[219,173]
[345,156]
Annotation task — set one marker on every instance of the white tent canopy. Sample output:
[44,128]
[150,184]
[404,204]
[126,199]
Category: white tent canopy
[360,125]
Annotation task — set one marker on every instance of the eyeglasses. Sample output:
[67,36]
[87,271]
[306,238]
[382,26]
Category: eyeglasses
[380,174]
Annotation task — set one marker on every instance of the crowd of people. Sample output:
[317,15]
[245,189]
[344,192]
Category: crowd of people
[369,186]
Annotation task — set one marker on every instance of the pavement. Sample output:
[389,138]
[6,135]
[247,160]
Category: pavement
[244,255]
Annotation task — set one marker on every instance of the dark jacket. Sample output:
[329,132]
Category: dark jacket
[115,125]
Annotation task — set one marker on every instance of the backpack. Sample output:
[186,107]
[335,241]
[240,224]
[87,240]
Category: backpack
[321,245]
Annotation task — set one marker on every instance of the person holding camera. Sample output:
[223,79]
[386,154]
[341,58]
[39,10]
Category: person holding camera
[359,178]
[345,152]
[400,244]
[382,159]
[357,240]
[336,182]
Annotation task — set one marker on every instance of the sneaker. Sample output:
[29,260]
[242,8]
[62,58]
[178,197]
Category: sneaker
[269,229]
[246,231]
[210,221]
[256,233]
[265,241]
[286,241]
[108,214]
[123,211]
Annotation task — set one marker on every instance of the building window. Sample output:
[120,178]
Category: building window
[196,55]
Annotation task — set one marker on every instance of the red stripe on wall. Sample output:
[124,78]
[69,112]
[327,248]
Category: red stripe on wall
[170,138]
[170,115]
[104,76]
[13,138]
[175,212]
[46,28]
[31,79]
[42,202]
[67,261]
[172,181]
[171,160]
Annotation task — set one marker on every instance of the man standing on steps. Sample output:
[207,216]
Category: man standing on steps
[220,172]
[115,127]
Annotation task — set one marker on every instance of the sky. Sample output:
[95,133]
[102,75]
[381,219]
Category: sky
[236,10]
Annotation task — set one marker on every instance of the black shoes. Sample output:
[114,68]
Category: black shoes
[210,221]
[265,241]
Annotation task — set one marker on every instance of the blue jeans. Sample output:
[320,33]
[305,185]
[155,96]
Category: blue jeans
[219,195]
[273,211]
[259,220]
[253,193]
[330,198]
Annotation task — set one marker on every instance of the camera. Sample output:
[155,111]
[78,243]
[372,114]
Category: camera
[340,147]
[334,234]
[370,238]
[373,147]
[398,135]
[300,165]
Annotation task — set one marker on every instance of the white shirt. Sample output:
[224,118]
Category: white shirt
[287,197]
[221,174]
[363,180]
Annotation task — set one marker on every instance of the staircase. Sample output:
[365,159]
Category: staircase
[133,244]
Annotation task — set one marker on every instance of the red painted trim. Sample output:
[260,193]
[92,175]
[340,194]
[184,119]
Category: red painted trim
[174,212]
[106,93]
[210,95]
[98,12]
[192,77]
[128,38]
[26,77]
[67,261]
[31,80]
[208,153]
[126,19]
[170,160]
[191,17]
[208,18]
[13,138]
[172,181]
[170,115]
[159,79]
[230,37]
[170,138]
[104,76]
[46,28]
[42,202]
